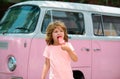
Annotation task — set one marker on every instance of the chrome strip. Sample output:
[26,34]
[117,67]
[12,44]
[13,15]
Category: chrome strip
[15,77]
[3,45]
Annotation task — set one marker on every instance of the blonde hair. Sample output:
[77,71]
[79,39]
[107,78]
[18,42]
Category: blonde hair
[50,29]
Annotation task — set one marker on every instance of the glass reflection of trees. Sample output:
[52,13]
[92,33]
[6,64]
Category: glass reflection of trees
[20,19]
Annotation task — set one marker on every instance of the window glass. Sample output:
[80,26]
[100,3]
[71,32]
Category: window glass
[97,25]
[73,21]
[106,25]
[20,19]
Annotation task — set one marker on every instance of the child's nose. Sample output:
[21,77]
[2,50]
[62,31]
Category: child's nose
[59,32]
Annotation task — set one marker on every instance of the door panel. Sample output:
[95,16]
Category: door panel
[83,50]
[105,60]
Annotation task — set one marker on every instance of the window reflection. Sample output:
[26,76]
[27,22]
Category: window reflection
[73,20]
[20,19]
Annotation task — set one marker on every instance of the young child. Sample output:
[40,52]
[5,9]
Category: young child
[58,52]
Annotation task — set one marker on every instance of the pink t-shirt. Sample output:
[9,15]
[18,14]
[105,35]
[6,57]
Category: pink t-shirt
[60,62]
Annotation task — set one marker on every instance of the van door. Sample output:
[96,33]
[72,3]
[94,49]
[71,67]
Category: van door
[106,47]
[75,24]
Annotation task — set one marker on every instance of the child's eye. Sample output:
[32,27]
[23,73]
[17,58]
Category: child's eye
[55,31]
[61,31]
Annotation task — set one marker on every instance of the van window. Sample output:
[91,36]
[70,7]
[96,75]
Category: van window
[105,25]
[20,19]
[73,21]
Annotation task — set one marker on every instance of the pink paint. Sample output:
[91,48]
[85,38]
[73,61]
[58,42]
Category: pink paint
[98,56]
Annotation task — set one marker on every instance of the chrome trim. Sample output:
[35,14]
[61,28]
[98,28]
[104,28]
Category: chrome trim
[15,77]
[12,63]
[3,45]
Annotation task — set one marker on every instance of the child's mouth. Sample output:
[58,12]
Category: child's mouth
[61,40]
[59,37]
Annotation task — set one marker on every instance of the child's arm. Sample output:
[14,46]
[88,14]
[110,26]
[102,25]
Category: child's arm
[45,68]
[70,52]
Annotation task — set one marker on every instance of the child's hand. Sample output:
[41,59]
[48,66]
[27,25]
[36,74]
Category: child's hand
[71,53]
[65,47]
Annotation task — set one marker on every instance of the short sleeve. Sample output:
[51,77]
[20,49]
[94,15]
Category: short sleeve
[46,53]
[71,46]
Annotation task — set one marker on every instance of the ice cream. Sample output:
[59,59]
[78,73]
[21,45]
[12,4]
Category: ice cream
[61,40]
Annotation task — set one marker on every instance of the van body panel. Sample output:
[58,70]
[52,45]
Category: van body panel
[98,50]
[36,59]
[105,59]
[83,50]
[19,48]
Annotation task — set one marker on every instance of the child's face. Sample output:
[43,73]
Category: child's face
[57,32]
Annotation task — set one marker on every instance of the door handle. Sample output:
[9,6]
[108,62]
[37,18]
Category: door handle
[85,49]
[95,50]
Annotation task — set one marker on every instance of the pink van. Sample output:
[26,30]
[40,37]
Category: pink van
[93,31]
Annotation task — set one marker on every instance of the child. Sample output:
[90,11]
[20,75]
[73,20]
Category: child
[58,52]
